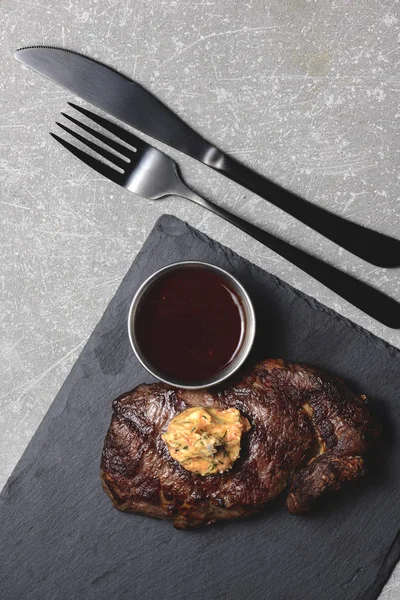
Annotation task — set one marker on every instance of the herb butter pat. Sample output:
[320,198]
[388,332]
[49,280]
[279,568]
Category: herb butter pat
[206,441]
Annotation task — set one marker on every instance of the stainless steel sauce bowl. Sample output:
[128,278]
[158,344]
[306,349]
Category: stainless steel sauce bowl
[249,324]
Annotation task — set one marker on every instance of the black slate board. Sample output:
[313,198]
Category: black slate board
[61,539]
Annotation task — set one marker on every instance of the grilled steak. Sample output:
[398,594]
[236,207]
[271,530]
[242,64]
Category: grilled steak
[308,435]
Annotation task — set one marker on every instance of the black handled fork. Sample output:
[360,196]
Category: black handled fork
[148,172]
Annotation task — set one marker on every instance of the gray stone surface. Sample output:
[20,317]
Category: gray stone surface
[304,91]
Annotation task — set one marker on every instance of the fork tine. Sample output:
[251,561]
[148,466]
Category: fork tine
[128,137]
[116,160]
[103,138]
[90,161]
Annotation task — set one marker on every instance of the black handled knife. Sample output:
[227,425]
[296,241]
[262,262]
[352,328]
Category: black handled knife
[130,102]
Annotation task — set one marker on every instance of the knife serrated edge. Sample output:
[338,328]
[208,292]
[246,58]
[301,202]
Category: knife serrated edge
[71,52]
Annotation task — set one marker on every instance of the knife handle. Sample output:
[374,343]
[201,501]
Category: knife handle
[372,246]
[360,294]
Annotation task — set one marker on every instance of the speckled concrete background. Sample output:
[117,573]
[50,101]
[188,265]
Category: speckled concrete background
[304,91]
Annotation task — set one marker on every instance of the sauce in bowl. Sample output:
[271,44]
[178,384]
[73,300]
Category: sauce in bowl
[190,324]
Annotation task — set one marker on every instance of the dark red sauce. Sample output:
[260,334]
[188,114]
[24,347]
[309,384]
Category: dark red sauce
[189,324]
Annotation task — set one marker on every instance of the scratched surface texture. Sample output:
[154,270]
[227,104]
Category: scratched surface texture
[304,91]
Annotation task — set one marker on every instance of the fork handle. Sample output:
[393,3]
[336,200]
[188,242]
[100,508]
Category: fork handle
[360,294]
[372,246]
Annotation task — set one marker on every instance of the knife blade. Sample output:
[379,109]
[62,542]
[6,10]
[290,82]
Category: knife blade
[117,95]
[130,102]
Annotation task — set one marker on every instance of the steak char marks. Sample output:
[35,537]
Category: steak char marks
[308,435]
